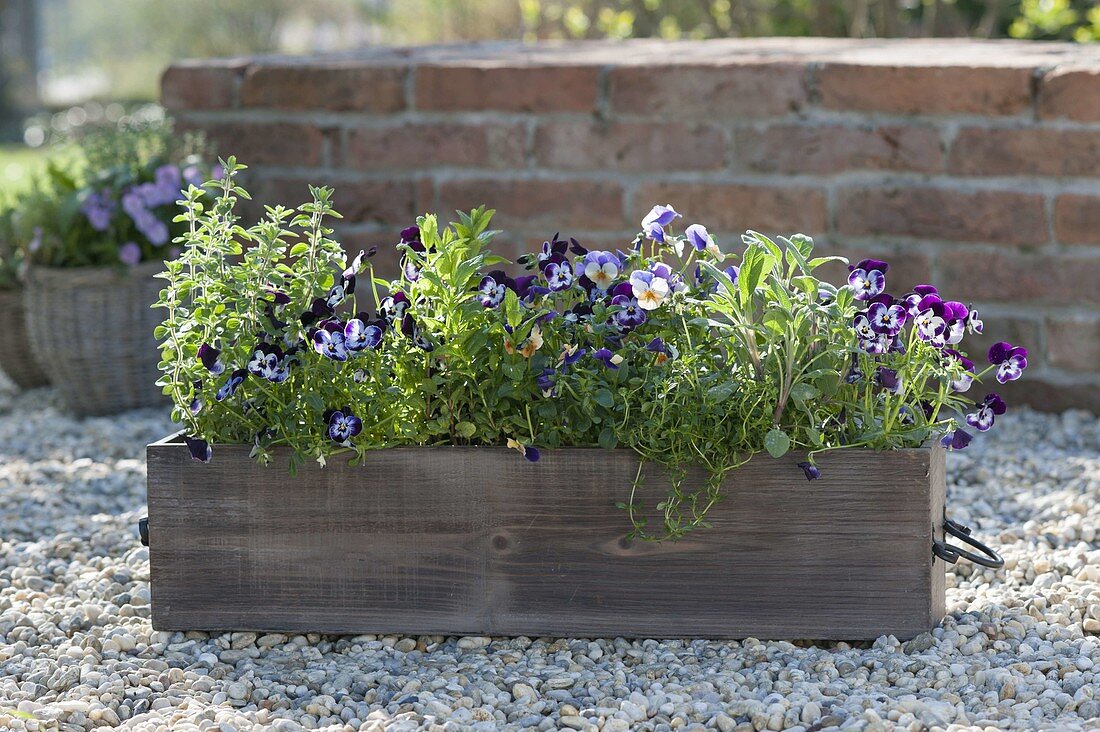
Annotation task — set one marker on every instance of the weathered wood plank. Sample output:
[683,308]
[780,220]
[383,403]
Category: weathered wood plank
[477,540]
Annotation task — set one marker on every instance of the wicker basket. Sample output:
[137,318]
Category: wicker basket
[16,360]
[91,329]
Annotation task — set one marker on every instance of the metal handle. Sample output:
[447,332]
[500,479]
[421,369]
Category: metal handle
[951,553]
[143,530]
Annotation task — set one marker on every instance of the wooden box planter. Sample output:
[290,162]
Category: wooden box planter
[479,541]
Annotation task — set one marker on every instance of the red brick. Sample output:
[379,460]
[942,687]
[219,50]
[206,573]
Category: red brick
[708,92]
[737,207]
[358,88]
[949,215]
[1077,219]
[185,88]
[629,146]
[925,90]
[391,202]
[265,143]
[1070,92]
[833,148]
[506,88]
[983,151]
[1006,276]
[423,145]
[547,205]
[1073,342]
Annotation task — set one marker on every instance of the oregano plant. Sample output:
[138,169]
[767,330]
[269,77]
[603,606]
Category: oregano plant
[670,347]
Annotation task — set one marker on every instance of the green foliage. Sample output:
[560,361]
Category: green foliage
[721,366]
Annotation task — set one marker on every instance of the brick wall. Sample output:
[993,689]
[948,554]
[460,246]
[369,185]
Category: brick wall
[975,165]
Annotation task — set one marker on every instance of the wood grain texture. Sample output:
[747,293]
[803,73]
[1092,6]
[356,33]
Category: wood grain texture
[480,541]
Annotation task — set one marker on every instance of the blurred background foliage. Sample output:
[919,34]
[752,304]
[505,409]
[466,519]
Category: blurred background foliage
[67,63]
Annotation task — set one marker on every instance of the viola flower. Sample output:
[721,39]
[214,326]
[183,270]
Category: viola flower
[930,322]
[654,222]
[608,359]
[559,276]
[649,289]
[698,236]
[531,453]
[492,288]
[129,253]
[973,322]
[328,340]
[210,358]
[578,313]
[318,309]
[267,363]
[956,440]
[342,425]
[99,209]
[411,330]
[360,335]
[570,355]
[862,327]
[664,351]
[229,388]
[196,402]
[877,345]
[854,374]
[886,318]
[992,406]
[534,343]
[354,268]
[631,315]
[889,380]
[867,284]
[554,249]
[392,309]
[200,449]
[601,268]
[963,382]
[1010,361]
[812,471]
[545,382]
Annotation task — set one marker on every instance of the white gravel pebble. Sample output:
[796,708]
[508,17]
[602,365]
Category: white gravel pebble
[1019,649]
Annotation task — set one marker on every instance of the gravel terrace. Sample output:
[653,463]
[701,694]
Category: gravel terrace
[1020,648]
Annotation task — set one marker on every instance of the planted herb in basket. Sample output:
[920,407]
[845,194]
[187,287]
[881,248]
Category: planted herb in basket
[459,437]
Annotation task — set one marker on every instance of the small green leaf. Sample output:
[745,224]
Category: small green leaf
[604,398]
[803,392]
[512,312]
[608,441]
[721,392]
[777,443]
[465,429]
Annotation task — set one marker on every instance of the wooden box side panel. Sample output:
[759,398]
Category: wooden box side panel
[455,540]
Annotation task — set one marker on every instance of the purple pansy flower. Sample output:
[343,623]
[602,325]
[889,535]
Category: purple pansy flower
[392,309]
[654,222]
[1010,361]
[973,322]
[866,284]
[200,449]
[492,288]
[956,440]
[607,358]
[411,330]
[886,318]
[631,314]
[210,358]
[559,276]
[889,380]
[99,208]
[962,383]
[698,236]
[812,471]
[545,382]
[267,362]
[342,425]
[129,253]
[360,335]
[229,388]
[328,340]
[992,406]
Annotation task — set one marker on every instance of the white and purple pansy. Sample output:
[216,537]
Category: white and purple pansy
[974,324]
[962,382]
[600,268]
[992,406]
[267,362]
[211,359]
[930,322]
[559,276]
[328,340]
[868,278]
[654,223]
[359,334]
[956,439]
[698,236]
[196,399]
[630,314]
[492,287]
[554,249]
[886,317]
[578,313]
[342,425]
[229,388]
[649,288]
[392,308]
[607,358]
[1010,361]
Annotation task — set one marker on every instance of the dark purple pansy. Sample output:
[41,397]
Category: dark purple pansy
[866,284]
[869,265]
[411,330]
[492,287]
[992,406]
[342,425]
[559,276]
[200,449]
[196,399]
[545,382]
[318,309]
[956,439]
[210,358]
[229,388]
[886,319]
[889,380]
[392,309]
[607,358]
[571,357]
[328,340]
[1010,361]
[278,297]
[811,471]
